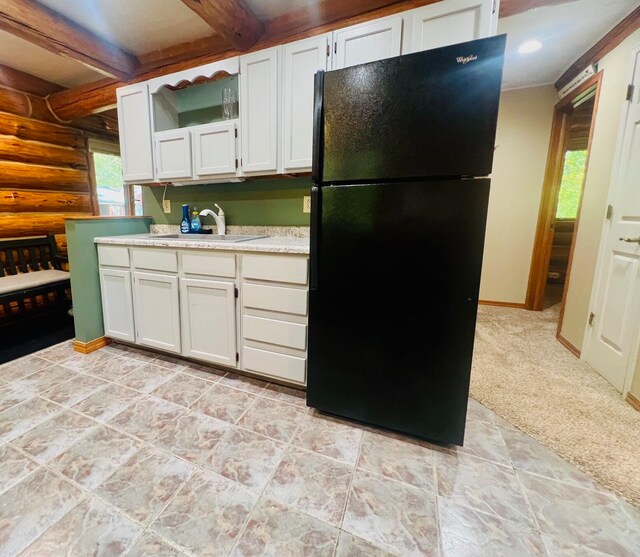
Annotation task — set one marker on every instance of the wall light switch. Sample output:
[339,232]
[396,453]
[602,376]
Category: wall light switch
[306,204]
[166,205]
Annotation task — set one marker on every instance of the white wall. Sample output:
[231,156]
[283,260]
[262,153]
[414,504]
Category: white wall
[522,139]
[616,67]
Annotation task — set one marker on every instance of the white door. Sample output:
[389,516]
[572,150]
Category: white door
[259,110]
[451,22]
[134,124]
[214,148]
[302,60]
[157,310]
[117,304]
[367,42]
[611,342]
[208,311]
[173,154]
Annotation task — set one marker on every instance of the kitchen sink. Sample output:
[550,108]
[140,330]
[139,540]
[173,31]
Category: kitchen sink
[231,238]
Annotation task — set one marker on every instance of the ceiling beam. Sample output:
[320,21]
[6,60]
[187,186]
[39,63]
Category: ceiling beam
[231,19]
[85,100]
[38,24]
[606,44]
[335,14]
[513,7]
[22,81]
[183,51]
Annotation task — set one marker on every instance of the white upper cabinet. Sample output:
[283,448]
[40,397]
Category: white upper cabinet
[173,154]
[177,128]
[134,121]
[302,60]
[214,149]
[367,42]
[450,22]
[259,77]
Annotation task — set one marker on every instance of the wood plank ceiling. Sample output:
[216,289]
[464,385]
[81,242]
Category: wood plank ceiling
[234,29]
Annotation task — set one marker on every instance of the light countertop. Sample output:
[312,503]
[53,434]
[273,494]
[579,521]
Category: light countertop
[272,244]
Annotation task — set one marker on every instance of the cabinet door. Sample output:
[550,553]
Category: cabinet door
[173,154]
[117,304]
[134,123]
[208,310]
[302,60]
[259,110]
[367,42]
[451,22]
[214,148]
[157,311]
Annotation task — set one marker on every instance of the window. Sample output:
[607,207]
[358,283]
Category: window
[114,197]
[571,184]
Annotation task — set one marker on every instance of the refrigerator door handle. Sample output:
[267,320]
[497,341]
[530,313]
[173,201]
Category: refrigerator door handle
[318,128]
[314,239]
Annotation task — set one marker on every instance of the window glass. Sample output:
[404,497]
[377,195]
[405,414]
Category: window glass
[112,194]
[571,184]
[137,200]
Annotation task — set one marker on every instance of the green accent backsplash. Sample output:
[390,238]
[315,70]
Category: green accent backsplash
[83,265]
[276,202]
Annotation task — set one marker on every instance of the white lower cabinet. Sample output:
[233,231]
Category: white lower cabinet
[117,304]
[274,316]
[157,311]
[186,302]
[208,318]
[275,364]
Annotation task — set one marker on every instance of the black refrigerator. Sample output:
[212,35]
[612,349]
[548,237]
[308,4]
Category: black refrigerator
[402,151]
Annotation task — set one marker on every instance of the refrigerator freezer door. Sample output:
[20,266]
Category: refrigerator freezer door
[393,301]
[429,114]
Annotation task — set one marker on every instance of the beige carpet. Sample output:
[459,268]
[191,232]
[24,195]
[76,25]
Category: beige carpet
[525,376]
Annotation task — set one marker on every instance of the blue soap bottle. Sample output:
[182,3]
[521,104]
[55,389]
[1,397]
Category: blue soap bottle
[185,224]
[196,225]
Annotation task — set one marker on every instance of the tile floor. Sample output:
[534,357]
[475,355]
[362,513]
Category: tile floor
[123,452]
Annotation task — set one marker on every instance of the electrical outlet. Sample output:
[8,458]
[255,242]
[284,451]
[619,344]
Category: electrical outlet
[166,205]
[306,204]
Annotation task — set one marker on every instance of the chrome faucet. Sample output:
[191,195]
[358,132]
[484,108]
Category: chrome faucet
[219,218]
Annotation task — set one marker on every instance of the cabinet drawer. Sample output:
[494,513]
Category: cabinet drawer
[113,256]
[272,331]
[275,298]
[212,264]
[286,367]
[274,268]
[155,259]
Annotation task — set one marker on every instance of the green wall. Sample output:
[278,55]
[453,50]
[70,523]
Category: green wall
[254,202]
[83,264]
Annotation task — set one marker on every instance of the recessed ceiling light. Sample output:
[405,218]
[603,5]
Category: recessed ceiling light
[528,47]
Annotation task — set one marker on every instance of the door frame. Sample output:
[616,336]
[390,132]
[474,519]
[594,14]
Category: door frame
[550,190]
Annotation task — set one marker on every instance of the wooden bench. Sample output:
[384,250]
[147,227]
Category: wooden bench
[32,282]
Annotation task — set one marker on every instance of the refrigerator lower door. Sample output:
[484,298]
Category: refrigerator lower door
[393,302]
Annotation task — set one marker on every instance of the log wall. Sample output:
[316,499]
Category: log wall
[44,170]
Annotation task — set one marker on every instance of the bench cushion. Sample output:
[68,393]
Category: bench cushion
[15,283]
